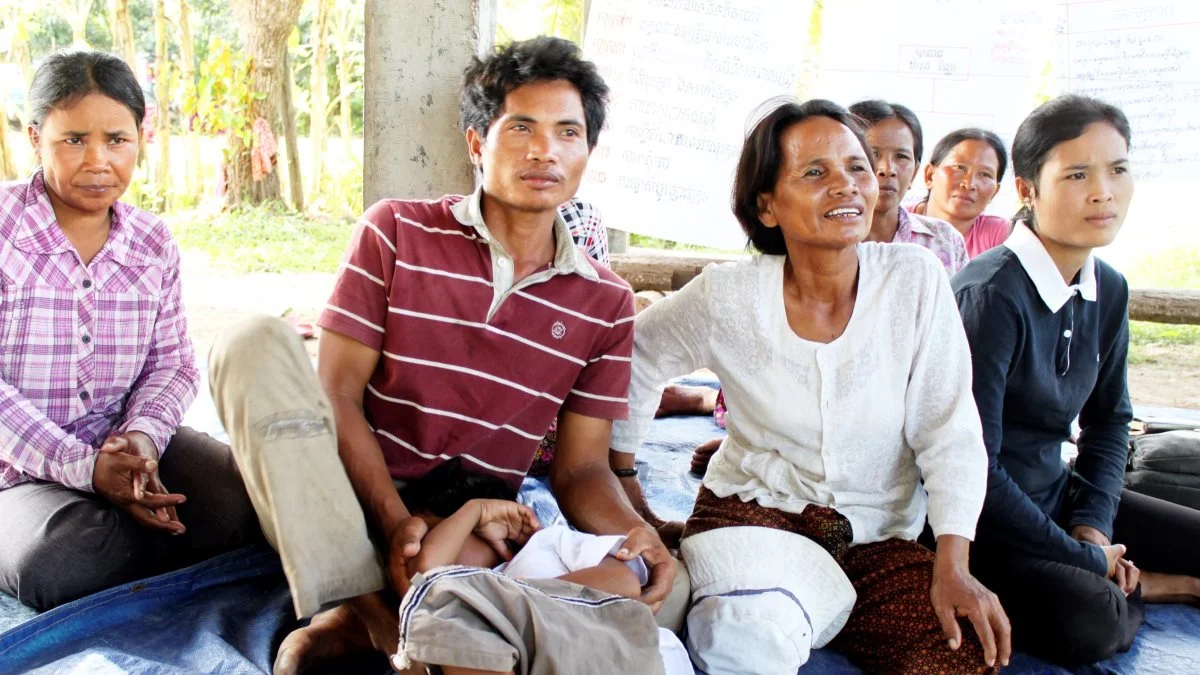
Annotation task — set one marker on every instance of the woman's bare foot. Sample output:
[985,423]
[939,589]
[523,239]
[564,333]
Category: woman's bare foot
[1159,587]
[681,400]
[670,532]
[330,635]
[702,455]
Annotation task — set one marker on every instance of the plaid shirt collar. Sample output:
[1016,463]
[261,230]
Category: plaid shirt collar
[568,258]
[39,234]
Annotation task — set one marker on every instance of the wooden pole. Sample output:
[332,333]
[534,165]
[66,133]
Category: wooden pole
[413,144]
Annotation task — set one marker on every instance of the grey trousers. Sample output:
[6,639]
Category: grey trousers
[58,544]
[282,432]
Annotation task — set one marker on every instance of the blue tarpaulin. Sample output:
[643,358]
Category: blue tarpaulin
[228,615]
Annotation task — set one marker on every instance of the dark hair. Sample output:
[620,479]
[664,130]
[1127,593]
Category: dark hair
[953,138]
[450,485]
[1057,121]
[65,77]
[762,156]
[877,110]
[487,82]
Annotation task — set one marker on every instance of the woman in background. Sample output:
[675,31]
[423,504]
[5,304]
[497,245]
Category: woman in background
[963,176]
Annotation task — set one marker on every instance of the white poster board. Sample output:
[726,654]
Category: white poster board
[689,75]
[1144,57]
[685,74]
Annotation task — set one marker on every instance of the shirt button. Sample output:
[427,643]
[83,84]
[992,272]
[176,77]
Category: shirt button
[83,396]
[1067,333]
[87,283]
[87,339]
[503,262]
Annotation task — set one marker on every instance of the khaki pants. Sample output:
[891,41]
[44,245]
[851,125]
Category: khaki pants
[281,430]
[282,433]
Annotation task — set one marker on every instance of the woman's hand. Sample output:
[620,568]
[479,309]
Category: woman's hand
[501,520]
[126,474]
[1123,572]
[955,593]
[1089,534]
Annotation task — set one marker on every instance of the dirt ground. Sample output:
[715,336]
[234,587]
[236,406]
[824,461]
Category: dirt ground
[1169,375]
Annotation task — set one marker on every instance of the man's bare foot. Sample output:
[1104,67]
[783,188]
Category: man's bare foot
[330,635]
[702,455]
[680,400]
[1159,587]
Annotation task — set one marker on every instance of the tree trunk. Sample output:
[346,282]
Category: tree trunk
[345,127]
[162,95]
[264,27]
[319,100]
[121,23]
[77,18]
[187,52]
[288,114]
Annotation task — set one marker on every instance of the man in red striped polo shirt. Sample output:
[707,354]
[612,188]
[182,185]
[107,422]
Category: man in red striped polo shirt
[458,327]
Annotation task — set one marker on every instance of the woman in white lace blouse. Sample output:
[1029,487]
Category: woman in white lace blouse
[847,378]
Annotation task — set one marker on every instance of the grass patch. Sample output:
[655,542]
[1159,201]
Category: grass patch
[267,238]
[1145,337]
[643,241]
[1170,268]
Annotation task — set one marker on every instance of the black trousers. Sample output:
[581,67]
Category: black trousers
[58,544]
[1070,616]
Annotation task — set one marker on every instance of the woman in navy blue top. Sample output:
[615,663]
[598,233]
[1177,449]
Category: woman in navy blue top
[1049,333]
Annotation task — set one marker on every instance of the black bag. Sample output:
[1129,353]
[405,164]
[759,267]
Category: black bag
[1166,465]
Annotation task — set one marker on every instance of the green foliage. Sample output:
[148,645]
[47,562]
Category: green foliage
[221,103]
[341,192]
[48,32]
[266,238]
[521,20]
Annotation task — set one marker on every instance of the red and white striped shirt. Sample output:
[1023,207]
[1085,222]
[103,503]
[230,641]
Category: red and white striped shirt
[473,364]
[85,351]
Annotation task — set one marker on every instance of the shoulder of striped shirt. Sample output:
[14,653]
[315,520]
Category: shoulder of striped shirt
[606,276]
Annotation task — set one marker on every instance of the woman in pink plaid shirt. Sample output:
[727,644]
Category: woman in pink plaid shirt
[96,368]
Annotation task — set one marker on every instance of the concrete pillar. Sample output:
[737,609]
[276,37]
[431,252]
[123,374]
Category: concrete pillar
[415,53]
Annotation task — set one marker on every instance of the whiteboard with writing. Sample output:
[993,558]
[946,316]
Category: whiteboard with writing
[1143,56]
[684,74]
[689,76]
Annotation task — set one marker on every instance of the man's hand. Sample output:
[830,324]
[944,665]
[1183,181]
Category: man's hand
[126,474]
[404,543]
[501,520]
[644,541]
[955,593]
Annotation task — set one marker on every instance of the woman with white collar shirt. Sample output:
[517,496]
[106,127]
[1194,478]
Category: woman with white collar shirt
[850,417]
[1049,333]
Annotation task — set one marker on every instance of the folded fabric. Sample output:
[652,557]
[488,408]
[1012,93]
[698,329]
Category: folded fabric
[473,617]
